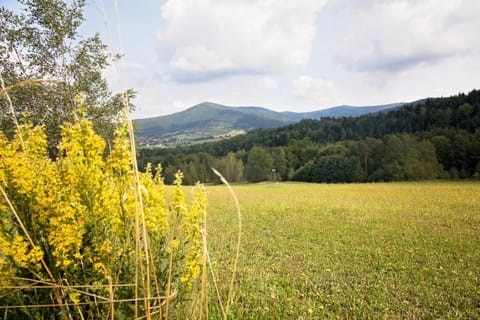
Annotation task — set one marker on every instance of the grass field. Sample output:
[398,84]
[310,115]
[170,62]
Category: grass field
[353,251]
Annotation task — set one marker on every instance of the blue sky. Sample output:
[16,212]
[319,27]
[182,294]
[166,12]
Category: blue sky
[297,55]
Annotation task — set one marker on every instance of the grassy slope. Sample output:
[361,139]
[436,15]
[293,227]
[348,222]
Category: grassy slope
[211,118]
[207,119]
[396,251]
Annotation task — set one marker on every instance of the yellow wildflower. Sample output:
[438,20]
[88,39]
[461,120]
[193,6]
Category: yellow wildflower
[74,297]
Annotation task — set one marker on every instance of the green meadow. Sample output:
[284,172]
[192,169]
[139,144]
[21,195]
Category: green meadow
[348,251]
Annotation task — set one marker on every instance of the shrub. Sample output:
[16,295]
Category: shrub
[87,236]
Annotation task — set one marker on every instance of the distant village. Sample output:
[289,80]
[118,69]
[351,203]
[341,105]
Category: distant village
[156,142]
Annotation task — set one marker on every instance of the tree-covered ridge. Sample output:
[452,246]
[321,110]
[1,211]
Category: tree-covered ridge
[439,138]
[208,121]
[205,122]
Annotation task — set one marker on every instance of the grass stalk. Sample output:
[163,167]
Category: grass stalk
[140,228]
[5,90]
[169,283]
[239,241]
[204,280]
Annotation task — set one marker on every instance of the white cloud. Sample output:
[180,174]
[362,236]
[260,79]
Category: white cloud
[204,39]
[178,104]
[391,36]
[267,84]
[302,86]
[193,62]
[296,55]
[320,91]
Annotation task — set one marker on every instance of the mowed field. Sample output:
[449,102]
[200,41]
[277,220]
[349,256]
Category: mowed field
[349,251]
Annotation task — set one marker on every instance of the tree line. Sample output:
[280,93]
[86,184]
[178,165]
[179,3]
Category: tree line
[435,138]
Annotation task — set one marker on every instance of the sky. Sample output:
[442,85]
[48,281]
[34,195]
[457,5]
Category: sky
[286,55]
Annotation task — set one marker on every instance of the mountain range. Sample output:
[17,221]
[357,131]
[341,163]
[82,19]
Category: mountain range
[210,121]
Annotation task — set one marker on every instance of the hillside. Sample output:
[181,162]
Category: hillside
[342,111]
[435,138]
[210,121]
[206,121]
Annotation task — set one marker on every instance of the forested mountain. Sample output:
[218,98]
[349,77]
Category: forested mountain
[343,111]
[436,138]
[207,121]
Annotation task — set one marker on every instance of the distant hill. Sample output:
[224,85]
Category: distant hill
[345,111]
[433,138]
[206,121]
[211,121]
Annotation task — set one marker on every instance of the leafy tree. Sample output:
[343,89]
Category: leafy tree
[259,166]
[207,162]
[333,168]
[394,158]
[421,162]
[477,171]
[191,169]
[280,164]
[42,41]
[231,167]
[370,153]
[408,158]
[443,149]
[299,152]
[169,174]
[432,138]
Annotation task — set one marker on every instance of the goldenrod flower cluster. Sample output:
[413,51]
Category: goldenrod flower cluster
[190,227]
[77,219]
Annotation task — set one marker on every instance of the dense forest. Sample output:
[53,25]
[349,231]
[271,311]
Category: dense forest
[438,138]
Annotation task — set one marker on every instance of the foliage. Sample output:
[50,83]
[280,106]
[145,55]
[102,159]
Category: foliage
[209,121]
[87,235]
[430,139]
[231,167]
[333,168]
[259,165]
[42,42]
